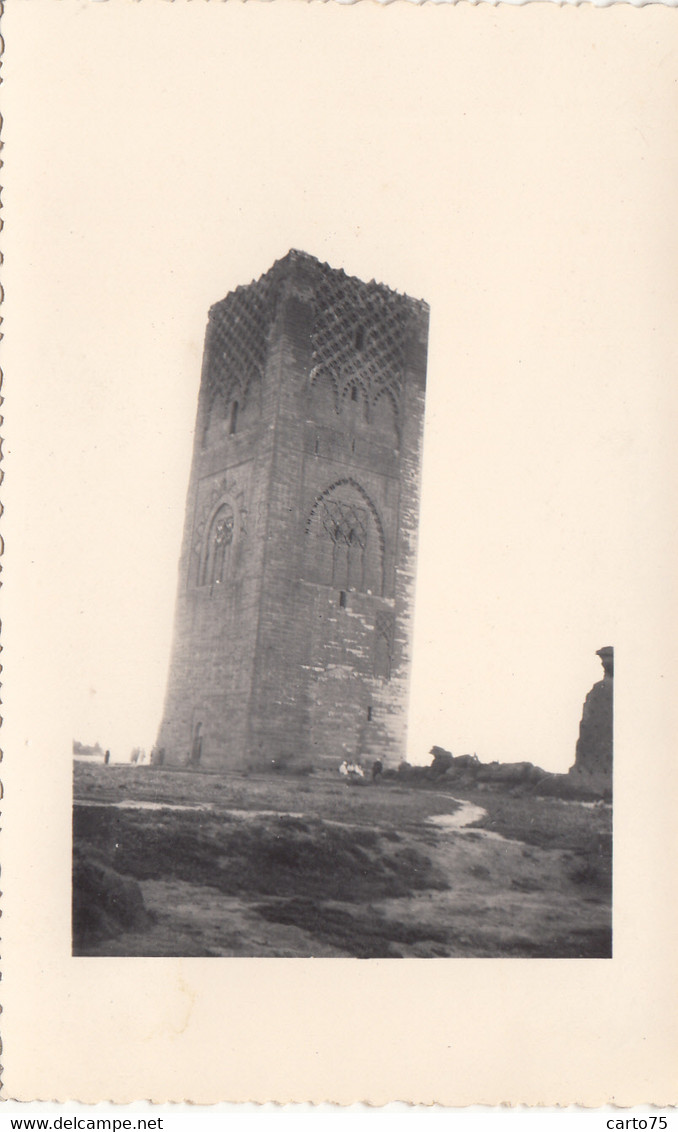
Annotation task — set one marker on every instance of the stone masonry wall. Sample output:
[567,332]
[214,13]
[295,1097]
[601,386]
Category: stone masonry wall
[212,660]
[318,691]
[300,649]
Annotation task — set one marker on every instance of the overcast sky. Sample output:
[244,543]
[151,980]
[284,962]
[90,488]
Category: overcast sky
[524,225]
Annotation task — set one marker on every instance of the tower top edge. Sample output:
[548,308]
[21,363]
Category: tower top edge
[295,256]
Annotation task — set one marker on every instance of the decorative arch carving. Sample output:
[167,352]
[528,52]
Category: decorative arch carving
[238,344]
[358,340]
[344,539]
[217,548]
[220,523]
[385,413]
[324,395]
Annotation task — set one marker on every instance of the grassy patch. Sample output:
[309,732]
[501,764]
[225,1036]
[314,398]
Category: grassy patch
[279,855]
[364,935]
[318,855]
[544,822]
[323,795]
[547,823]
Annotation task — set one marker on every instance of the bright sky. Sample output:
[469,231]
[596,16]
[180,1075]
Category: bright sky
[522,222]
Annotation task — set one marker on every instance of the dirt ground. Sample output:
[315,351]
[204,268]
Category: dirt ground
[277,865]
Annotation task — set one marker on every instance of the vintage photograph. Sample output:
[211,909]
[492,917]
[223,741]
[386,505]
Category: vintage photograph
[339,482]
[278,812]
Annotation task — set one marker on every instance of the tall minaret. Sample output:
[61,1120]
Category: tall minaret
[296,580]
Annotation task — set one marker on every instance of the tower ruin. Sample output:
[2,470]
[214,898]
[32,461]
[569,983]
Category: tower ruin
[594,751]
[293,621]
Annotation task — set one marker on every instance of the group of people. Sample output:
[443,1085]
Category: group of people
[138,757]
[355,770]
[347,769]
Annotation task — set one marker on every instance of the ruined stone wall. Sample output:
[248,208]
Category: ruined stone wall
[594,753]
[301,649]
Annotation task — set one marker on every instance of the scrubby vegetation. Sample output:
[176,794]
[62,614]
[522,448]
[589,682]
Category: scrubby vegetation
[186,863]
[271,855]
[104,903]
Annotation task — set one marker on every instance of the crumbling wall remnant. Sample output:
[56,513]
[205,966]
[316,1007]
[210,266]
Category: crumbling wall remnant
[593,756]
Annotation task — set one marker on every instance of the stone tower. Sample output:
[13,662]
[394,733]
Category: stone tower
[296,579]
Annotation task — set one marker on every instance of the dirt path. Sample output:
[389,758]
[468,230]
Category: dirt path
[467,813]
[271,867]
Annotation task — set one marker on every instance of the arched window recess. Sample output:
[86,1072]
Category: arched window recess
[217,546]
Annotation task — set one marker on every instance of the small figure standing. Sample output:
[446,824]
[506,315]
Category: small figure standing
[107,758]
[377,769]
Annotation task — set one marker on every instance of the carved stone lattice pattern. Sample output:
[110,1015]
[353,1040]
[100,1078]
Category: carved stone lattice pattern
[345,523]
[240,325]
[344,543]
[210,506]
[219,538]
[351,485]
[358,339]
